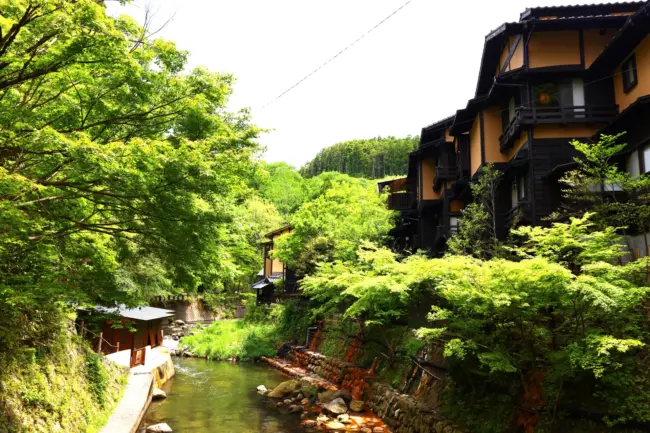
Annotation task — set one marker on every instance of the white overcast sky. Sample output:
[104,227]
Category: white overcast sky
[416,68]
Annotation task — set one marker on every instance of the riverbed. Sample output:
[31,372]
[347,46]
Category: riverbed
[209,396]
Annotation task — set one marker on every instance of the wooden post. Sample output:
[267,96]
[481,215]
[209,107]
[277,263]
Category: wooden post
[117,348]
[99,344]
[83,330]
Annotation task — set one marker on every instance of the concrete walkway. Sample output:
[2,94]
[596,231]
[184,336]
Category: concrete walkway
[130,410]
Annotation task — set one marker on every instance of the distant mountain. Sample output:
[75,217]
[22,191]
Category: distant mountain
[372,158]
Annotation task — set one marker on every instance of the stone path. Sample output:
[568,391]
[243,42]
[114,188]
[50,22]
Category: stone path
[130,410]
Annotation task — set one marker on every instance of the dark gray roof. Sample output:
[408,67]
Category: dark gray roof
[137,313]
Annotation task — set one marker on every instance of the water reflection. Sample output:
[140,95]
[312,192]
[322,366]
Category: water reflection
[207,396]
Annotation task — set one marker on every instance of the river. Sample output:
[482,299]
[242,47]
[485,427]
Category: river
[209,396]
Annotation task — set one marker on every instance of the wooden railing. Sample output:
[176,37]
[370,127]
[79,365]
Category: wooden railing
[555,115]
[517,212]
[401,200]
[101,341]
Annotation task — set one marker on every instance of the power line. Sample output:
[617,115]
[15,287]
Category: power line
[337,54]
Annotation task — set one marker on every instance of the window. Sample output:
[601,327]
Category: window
[646,159]
[566,93]
[453,223]
[632,164]
[521,188]
[629,74]
[511,109]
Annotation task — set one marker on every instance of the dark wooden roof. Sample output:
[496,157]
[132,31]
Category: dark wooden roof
[586,10]
[626,39]
[564,17]
[276,231]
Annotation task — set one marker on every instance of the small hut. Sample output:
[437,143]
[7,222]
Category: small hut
[122,329]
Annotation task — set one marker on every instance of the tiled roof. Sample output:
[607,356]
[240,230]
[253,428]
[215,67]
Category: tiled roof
[137,313]
[597,9]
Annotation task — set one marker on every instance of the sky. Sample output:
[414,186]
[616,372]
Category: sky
[419,66]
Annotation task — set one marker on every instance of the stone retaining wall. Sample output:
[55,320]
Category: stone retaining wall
[404,413]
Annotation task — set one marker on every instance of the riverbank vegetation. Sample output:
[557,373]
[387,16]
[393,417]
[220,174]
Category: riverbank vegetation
[64,386]
[260,333]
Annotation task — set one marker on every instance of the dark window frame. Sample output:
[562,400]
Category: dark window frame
[629,64]
[643,170]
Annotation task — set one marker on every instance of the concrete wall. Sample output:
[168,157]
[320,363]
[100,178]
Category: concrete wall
[123,357]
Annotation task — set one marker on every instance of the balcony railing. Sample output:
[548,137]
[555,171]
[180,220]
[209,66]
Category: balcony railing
[520,213]
[442,174]
[554,115]
[402,200]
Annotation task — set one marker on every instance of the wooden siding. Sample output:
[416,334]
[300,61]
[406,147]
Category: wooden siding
[517,59]
[493,125]
[565,131]
[475,157]
[547,194]
[642,88]
[554,48]
[594,43]
[428,171]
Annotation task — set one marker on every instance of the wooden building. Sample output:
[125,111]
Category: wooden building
[277,281]
[558,74]
[127,329]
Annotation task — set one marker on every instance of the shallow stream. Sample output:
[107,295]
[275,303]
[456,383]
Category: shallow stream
[207,396]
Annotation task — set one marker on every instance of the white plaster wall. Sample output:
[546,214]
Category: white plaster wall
[122,357]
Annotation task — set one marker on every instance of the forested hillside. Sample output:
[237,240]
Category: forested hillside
[373,158]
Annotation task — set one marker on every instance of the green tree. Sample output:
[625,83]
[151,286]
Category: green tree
[120,175]
[340,212]
[617,198]
[477,233]
[561,327]
[373,158]
[282,185]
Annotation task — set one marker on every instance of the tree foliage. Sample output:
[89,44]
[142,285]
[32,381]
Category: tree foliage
[339,212]
[373,158]
[120,175]
[563,310]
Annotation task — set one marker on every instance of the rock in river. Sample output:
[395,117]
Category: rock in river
[284,389]
[158,394]
[262,389]
[357,405]
[159,428]
[336,407]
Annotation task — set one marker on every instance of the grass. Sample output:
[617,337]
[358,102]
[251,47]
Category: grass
[234,339]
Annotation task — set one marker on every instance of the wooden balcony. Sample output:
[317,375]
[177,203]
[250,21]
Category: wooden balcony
[554,115]
[521,213]
[443,173]
[402,200]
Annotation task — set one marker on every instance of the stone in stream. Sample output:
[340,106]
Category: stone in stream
[309,423]
[366,430]
[295,408]
[287,401]
[326,397]
[158,394]
[334,425]
[159,428]
[284,389]
[357,405]
[322,419]
[344,418]
[336,406]
[262,389]
[344,394]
